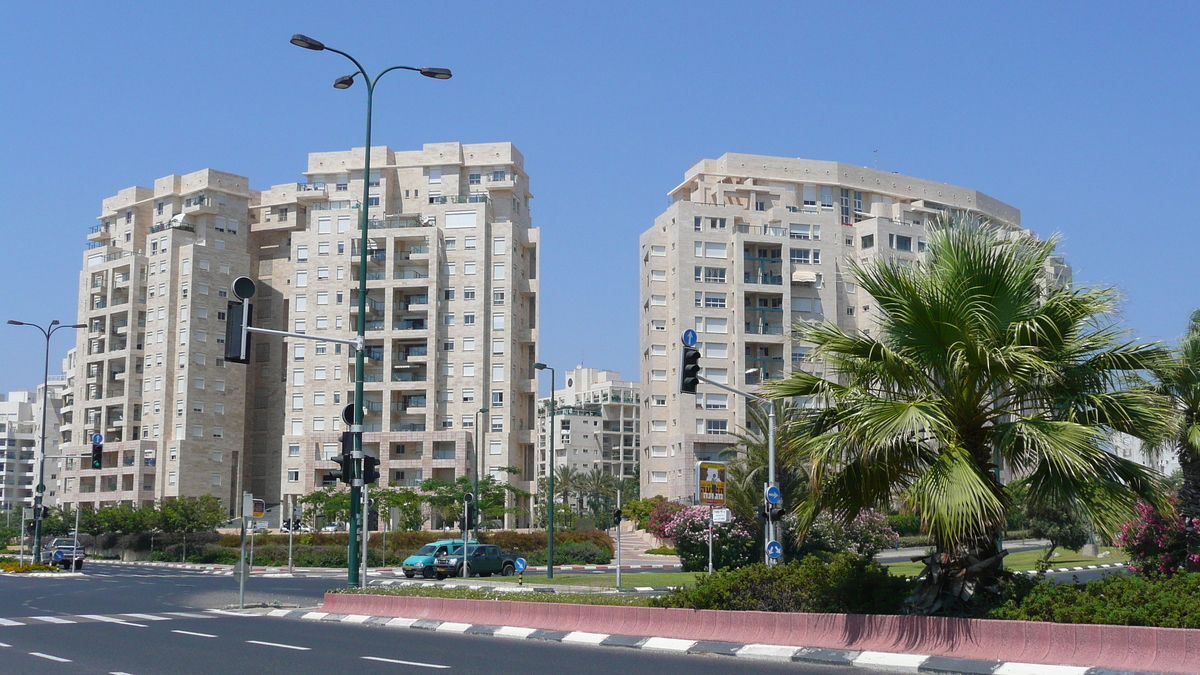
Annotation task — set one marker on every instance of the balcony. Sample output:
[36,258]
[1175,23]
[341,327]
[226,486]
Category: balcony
[764,329]
[173,225]
[409,324]
[459,199]
[98,232]
[311,191]
[408,426]
[764,230]
[406,274]
[408,377]
[392,222]
[768,279]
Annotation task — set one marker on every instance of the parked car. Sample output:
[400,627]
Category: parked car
[422,561]
[62,551]
[483,559]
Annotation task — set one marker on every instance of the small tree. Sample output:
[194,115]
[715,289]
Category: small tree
[185,515]
[331,502]
[408,504]
[1060,525]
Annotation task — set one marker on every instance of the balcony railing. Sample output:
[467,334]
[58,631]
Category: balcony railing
[408,427]
[391,222]
[405,274]
[174,225]
[459,199]
[769,279]
[408,377]
[767,230]
[764,329]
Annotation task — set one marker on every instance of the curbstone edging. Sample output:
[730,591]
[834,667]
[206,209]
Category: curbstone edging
[919,663]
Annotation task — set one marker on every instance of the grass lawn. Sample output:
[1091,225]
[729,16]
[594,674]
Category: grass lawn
[658,579]
[1028,560]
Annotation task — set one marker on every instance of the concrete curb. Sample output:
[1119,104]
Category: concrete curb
[918,663]
[1131,648]
[532,587]
[395,570]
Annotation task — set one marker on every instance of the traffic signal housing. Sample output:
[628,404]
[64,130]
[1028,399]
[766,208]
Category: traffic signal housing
[345,472]
[763,513]
[617,515]
[97,455]
[370,472]
[689,370]
[237,339]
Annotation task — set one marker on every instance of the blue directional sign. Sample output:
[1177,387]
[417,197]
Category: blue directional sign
[774,549]
[519,564]
[58,556]
[689,338]
[774,495]
[97,438]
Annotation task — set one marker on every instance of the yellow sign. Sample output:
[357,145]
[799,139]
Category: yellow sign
[260,508]
[710,483]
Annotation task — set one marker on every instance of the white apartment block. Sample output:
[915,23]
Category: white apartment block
[20,447]
[750,246]
[451,317]
[451,327]
[597,422]
[147,373]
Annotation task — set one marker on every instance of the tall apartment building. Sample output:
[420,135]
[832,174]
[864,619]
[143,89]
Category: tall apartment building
[597,420]
[147,373]
[451,327]
[750,246]
[451,313]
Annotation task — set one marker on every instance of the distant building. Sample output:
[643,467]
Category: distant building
[597,424]
[20,445]
[1128,447]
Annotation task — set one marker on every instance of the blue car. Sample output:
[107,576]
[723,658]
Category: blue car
[421,562]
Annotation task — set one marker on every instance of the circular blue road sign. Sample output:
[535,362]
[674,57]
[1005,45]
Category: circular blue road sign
[97,438]
[689,338]
[58,556]
[774,495]
[519,564]
[774,549]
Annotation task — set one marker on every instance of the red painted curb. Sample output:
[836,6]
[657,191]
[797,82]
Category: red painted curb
[1166,650]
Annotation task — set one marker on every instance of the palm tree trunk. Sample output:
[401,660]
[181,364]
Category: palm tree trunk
[1189,492]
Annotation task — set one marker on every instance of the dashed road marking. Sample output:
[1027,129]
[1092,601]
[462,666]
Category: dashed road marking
[53,619]
[50,657]
[147,617]
[404,663]
[188,632]
[10,622]
[278,644]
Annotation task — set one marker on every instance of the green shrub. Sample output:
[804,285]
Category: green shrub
[905,524]
[525,542]
[570,553]
[1123,600]
[842,582]
[665,550]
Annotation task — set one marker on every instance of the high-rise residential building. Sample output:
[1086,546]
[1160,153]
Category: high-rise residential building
[597,420]
[750,246]
[451,314]
[451,322]
[21,445]
[148,372]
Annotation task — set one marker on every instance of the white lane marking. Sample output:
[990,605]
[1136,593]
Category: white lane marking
[774,652]
[10,622]
[188,632]
[513,632]
[401,623]
[52,619]
[315,616]
[404,663]
[450,627]
[4,644]
[585,638]
[110,619]
[118,672]
[50,657]
[279,612]
[191,615]
[355,618]
[277,644]
[668,644]
[147,617]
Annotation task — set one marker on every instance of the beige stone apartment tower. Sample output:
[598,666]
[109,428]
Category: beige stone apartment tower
[750,246]
[598,421]
[147,372]
[452,277]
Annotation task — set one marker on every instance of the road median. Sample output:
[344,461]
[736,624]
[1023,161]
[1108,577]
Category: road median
[1130,648]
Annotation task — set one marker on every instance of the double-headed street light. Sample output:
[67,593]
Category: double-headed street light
[48,331]
[345,82]
[550,478]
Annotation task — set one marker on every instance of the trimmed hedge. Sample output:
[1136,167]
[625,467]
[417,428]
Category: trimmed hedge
[841,582]
[1122,600]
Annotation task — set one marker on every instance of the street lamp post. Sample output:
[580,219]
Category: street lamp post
[40,489]
[475,468]
[345,82]
[550,479]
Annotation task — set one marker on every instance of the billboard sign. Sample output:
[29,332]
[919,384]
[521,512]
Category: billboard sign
[710,483]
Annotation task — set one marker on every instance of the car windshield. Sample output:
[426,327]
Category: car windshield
[427,549]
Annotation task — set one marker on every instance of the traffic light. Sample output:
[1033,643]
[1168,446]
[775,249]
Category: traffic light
[760,513]
[347,442]
[617,515]
[689,370]
[345,473]
[775,514]
[370,472]
[97,455]
[763,513]
[237,338]
[472,516]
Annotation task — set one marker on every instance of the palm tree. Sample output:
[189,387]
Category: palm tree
[976,362]
[747,469]
[1179,379]
[598,487]
[566,482]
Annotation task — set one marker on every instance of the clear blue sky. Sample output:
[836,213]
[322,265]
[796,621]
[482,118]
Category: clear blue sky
[1083,115]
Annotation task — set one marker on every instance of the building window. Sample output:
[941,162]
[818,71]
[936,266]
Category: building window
[868,241]
[293,475]
[497,425]
[497,399]
[498,373]
[469,293]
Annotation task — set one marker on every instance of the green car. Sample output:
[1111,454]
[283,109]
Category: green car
[421,562]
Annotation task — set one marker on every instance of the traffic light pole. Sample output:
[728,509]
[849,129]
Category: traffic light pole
[770,524]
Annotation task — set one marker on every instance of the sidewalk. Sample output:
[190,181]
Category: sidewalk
[892,555]
[376,571]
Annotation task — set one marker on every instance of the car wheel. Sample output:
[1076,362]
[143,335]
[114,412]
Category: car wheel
[428,573]
[78,564]
[410,574]
[508,571]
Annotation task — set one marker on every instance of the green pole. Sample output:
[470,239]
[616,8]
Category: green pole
[475,466]
[550,529]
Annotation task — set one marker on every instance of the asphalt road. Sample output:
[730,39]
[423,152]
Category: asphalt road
[129,620]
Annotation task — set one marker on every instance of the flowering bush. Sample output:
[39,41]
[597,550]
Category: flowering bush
[868,534]
[1155,544]
[733,542]
[660,518]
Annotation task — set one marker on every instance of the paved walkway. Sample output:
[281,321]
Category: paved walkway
[634,544]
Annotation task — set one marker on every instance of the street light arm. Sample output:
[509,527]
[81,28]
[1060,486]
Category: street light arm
[361,70]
